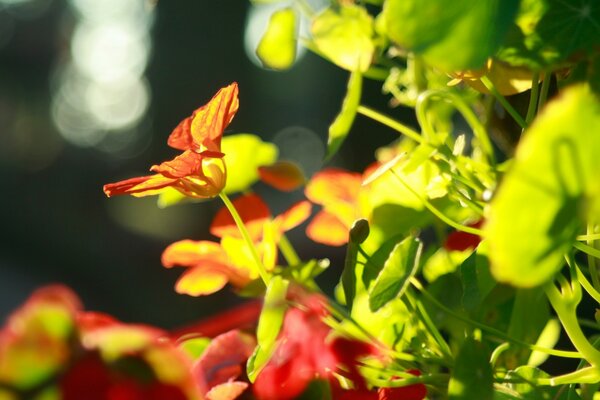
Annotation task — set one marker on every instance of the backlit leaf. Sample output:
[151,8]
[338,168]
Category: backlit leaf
[472,377]
[551,188]
[344,36]
[277,48]
[393,279]
[340,127]
[547,32]
[244,153]
[457,36]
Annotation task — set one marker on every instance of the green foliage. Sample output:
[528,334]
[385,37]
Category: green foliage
[277,48]
[472,376]
[452,37]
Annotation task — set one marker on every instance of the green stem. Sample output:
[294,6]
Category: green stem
[468,114]
[437,212]
[589,237]
[584,375]
[533,97]
[502,100]
[390,122]
[290,255]
[587,285]
[566,312]
[593,266]
[544,91]
[489,329]
[589,250]
[260,268]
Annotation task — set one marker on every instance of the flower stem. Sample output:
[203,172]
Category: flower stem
[437,212]
[260,268]
[593,266]
[502,100]
[390,122]
[288,251]
[533,97]
[489,329]
[544,91]
[589,250]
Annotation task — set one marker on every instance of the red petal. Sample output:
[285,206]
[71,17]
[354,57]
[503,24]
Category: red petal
[140,186]
[187,164]
[253,211]
[283,175]
[204,128]
[327,229]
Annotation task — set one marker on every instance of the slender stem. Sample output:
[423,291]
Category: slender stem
[260,268]
[306,8]
[498,351]
[544,91]
[593,266]
[390,122]
[489,329]
[565,310]
[584,375]
[288,251]
[587,285]
[502,100]
[533,97]
[436,212]
[587,249]
[468,114]
[589,237]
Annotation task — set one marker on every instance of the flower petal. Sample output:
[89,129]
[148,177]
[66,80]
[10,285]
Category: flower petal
[283,175]
[201,281]
[189,253]
[293,216]
[328,229]
[204,128]
[186,164]
[227,391]
[333,185]
[139,187]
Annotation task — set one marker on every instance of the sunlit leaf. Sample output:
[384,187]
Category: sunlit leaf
[472,376]
[476,279]
[393,279]
[340,127]
[244,153]
[547,32]
[277,48]
[529,391]
[548,339]
[457,37]
[551,188]
[344,36]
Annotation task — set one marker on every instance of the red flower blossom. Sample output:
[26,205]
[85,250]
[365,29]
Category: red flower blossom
[200,170]
[461,241]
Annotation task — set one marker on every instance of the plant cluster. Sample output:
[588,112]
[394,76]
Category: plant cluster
[470,241]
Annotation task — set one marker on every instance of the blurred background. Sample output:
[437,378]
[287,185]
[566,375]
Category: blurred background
[89,92]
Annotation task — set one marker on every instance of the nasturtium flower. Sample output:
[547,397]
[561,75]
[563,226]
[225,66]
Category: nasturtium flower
[200,170]
[210,265]
[338,192]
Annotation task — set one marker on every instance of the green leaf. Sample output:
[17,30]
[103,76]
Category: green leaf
[244,153]
[472,377]
[344,36]
[550,189]
[401,265]
[548,32]
[277,48]
[340,127]
[476,279]
[269,324]
[457,36]
[194,347]
[548,338]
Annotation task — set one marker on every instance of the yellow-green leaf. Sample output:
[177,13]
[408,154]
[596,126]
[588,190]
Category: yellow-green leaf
[548,193]
[340,127]
[345,37]
[277,48]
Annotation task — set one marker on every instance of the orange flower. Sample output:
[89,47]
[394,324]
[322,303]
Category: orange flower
[337,191]
[200,170]
[212,265]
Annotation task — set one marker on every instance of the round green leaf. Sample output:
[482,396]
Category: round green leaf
[548,193]
[277,48]
[451,36]
[345,36]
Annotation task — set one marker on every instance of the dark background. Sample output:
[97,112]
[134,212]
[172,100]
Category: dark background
[57,225]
